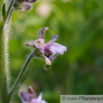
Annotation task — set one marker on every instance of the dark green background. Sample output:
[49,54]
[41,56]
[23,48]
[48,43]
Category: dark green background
[79,26]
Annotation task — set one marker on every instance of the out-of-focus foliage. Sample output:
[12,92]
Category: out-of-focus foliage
[79,25]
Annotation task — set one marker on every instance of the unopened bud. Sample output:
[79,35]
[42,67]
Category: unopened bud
[31,92]
[26,6]
[24,96]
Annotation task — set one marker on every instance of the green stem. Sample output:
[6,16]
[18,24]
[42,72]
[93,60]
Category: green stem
[21,74]
[4,72]
[3,68]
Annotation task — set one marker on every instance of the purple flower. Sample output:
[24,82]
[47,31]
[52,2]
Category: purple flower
[49,50]
[28,1]
[23,5]
[30,97]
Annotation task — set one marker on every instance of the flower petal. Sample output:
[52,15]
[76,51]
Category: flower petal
[47,45]
[58,48]
[31,44]
[42,32]
[34,100]
[53,56]
[24,97]
[48,62]
[43,101]
[39,97]
[39,43]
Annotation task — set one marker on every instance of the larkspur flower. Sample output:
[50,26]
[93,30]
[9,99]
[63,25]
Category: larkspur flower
[23,5]
[50,50]
[30,97]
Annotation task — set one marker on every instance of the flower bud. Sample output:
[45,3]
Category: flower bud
[31,93]
[30,97]
[24,96]
[23,5]
[26,6]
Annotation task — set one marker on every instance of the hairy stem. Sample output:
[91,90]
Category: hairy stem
[3,68]
[4,72]
[3,76]
[21,74]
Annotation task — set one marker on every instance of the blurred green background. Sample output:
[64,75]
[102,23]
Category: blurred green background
[79,25]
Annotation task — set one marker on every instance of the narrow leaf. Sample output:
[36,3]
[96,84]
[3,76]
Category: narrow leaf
[4,12]
[26,74]
[19,84]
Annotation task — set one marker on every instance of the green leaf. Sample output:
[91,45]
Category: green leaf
[24,77]
[19,84]
[16,90]
[4,12]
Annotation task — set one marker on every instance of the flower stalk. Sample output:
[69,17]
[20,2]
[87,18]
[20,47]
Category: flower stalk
[21,74]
